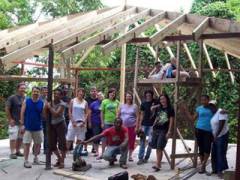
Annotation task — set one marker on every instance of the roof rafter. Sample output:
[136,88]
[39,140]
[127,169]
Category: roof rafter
[208,59]
[74,38]
[132,33]
[198,31]
[229,67]
[101,36]
[167,30]
[25,51]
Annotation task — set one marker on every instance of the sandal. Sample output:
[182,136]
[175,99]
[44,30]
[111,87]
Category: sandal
[202,170]
[99,157]
[156,169]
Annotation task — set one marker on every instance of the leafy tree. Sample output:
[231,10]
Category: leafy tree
[56,8]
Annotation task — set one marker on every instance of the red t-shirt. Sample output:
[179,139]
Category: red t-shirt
[114,138]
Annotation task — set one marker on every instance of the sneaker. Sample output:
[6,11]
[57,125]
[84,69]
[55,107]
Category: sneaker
[145,160]
[27,164]
[19,154]
[13,156]
[36,161]
[140,161]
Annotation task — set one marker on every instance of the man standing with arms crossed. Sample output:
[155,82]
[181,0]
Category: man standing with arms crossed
[13,109]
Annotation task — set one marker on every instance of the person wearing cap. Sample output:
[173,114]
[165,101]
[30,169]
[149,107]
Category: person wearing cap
[220,131]
[13,110]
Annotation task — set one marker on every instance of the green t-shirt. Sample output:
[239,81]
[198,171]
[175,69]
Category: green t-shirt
[109,109]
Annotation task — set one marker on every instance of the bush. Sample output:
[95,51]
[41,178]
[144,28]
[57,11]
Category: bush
[3,125]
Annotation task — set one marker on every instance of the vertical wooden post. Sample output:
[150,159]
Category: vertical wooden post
[135,74]
[123,72]
[200,73]
[76,81]
[22,69]
[157,53]
[49,98]
[176,98]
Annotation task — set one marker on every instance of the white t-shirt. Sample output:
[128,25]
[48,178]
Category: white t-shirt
[215,123]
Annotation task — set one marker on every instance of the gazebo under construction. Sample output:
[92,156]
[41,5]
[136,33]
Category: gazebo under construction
[109,29]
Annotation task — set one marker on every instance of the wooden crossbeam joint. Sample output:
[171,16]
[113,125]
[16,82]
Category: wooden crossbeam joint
[198,31]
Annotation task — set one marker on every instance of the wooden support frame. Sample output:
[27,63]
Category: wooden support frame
[190,58]
[136,75]
[229,67]
[176,99]
[33,79]
[101,36]
[167,30]
[84,56]
[110,21]
[208,59]
[132,33]
[198,31]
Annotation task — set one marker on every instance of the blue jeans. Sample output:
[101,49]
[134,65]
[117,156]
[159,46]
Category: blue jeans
[148,132]
[219,152]
[112,151]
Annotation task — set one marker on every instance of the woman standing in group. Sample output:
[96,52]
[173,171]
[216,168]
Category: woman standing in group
[78,117]
[109,108]
[128,112]
[162,127]
[203,129]
[57,128]
[95,119]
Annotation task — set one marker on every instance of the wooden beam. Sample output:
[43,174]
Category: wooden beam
[185,155]
[132,33]
[25,51]
[24,39]
[167,30]
[101,36]
[71,174]
[190,58]
[229,67]
[84,56]
[208,59]
[123,70]
[198,31]
[26,78]
[76,37]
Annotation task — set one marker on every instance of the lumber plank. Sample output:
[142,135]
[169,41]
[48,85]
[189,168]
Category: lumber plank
[198,31]
[132,33]
[229,67]
[72,175]
[100,36]
[167,30]
[184,155]
[26,78]
[208,59]
[74,38]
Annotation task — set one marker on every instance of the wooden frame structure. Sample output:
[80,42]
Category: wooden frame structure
[80,33]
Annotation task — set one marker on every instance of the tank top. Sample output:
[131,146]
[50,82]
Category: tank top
[32,116]
[78,110]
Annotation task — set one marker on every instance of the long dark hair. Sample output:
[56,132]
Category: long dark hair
[169,105]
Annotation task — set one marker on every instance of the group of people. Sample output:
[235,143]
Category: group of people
[105,121]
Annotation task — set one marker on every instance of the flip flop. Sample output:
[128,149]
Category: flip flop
[156,169]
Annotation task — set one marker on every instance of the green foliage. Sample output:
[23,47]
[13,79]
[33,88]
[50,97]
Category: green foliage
[217,9]
[234,5]
[17,12]
[56,8]
[4,125]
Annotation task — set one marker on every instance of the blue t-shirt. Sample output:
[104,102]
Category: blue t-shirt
[95,115]
[32,116]
[204,118]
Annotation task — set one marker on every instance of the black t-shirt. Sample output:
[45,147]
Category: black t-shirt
[148,118]
[90,100]
[162,116]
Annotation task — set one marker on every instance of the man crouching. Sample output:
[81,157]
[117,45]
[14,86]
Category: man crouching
[117,143]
